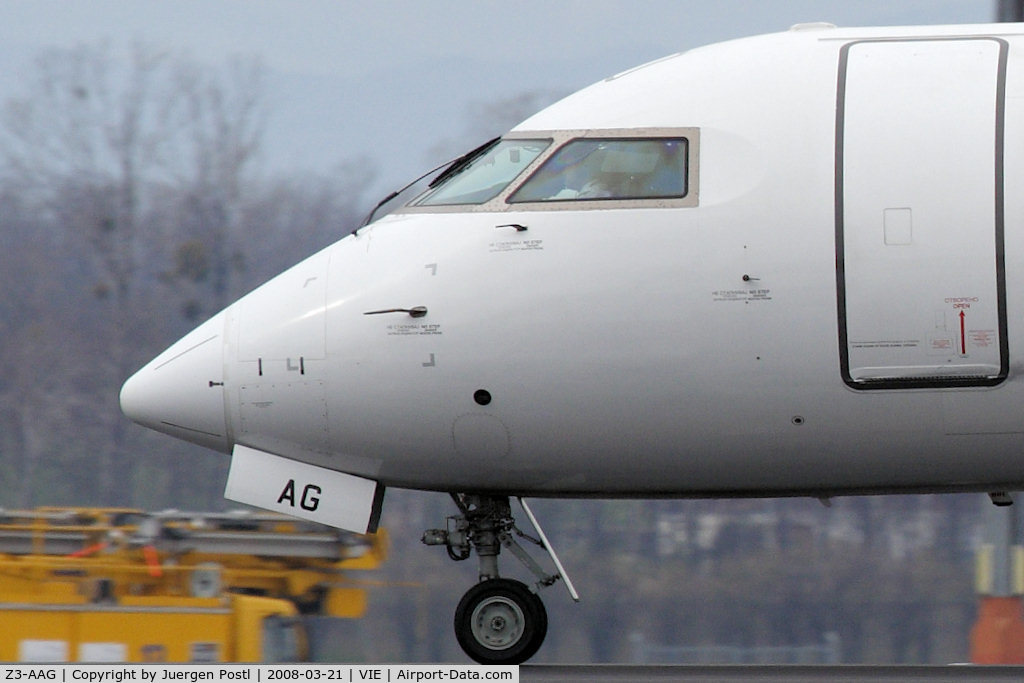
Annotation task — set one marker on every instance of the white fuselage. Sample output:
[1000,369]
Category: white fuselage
[793,327]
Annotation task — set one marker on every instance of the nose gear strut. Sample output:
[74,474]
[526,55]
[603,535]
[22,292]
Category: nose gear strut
[498,621]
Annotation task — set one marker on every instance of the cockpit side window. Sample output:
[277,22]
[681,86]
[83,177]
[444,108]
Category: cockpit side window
[483,178]
[609,168]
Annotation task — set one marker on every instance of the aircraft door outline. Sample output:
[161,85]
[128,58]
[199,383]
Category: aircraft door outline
[920,274]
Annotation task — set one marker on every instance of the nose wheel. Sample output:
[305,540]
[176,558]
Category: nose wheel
[500,621]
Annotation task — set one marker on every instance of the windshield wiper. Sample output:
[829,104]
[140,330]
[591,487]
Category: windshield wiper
[460,164]
[454,167]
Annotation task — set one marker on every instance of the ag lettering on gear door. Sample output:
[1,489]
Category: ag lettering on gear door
[919,213]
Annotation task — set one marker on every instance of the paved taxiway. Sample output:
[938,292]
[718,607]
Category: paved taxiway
[797,674]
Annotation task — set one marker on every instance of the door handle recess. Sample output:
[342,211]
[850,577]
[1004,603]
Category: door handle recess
[415,311]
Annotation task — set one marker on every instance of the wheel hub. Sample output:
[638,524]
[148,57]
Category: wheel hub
[498,623]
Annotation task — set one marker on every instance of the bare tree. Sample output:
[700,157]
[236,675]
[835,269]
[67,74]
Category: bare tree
[223,127]
[1010,10]
[100,140]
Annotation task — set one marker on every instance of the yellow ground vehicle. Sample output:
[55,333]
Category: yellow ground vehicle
[233,628]
[100,584]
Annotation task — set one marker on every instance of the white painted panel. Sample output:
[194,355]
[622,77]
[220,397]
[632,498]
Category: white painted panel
[899,226]
[102,653]
[919,224]
[42,651]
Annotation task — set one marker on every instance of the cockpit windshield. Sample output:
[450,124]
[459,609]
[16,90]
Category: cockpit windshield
[484,177]
[607,168]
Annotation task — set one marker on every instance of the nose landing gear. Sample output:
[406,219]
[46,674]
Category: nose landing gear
[498,621]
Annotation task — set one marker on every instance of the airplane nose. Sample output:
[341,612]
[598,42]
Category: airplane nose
[181,391]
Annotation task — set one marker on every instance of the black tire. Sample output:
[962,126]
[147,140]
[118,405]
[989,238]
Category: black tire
[500,621]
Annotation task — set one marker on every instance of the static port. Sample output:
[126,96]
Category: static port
[482,396]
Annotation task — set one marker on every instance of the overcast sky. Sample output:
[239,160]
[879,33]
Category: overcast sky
[393,79]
